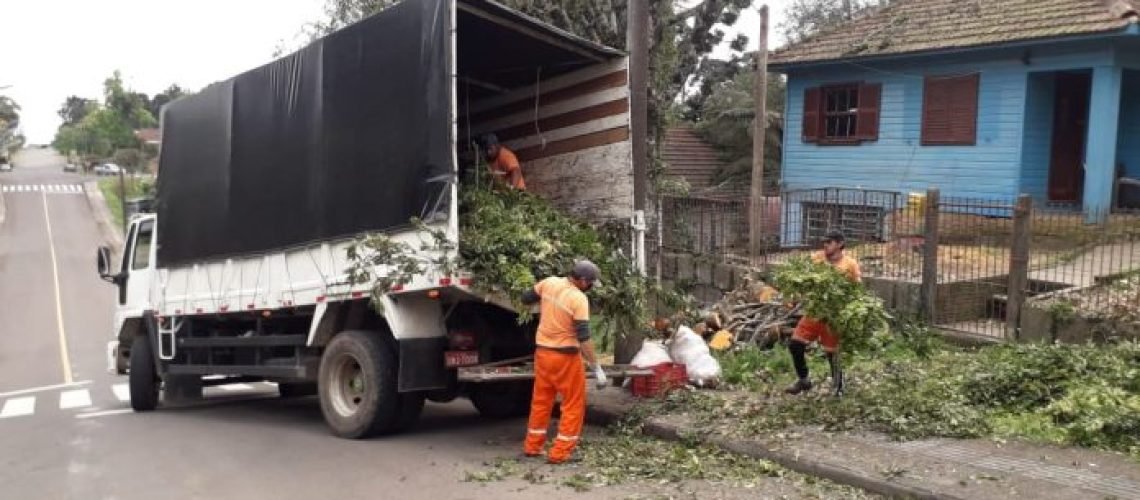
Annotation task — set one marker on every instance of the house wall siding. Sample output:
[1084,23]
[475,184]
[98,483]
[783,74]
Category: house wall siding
[1037,145]
[1129,139]
[994,168]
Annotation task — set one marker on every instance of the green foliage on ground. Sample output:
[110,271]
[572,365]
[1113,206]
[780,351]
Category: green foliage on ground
[1084,395]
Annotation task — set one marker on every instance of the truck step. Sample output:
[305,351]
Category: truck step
[255,341]
[297,372]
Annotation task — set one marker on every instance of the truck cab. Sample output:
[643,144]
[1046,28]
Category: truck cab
[133,277]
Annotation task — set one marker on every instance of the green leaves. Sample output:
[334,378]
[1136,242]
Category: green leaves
[508,241]
[846,306]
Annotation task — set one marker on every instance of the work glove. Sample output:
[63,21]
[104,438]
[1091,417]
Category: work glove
[600,377]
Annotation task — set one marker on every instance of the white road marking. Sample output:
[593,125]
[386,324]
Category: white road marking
[18,407]
[64,358]
[77,398]
[94,414]
[235,387]
[122,392]
[44,388]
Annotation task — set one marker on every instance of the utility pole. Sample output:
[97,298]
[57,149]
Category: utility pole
[759,134]
[637,45]
[637,42]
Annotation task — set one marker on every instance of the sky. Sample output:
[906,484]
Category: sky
[56,48]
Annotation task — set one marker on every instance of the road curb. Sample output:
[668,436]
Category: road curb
[3,208]
[597,415]
[111,234]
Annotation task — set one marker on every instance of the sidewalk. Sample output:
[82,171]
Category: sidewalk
[933,468]
[112,234]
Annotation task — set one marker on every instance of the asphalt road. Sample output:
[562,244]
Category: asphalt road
[67,431]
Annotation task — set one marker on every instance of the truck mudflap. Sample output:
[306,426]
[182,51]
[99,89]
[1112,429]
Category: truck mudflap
[495,372]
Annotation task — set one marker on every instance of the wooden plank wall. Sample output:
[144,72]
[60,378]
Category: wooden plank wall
[571,134]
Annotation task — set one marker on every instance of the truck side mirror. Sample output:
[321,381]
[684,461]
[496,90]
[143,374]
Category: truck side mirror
[104,263]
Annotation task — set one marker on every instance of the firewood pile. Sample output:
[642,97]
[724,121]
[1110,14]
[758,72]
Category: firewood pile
[755,315]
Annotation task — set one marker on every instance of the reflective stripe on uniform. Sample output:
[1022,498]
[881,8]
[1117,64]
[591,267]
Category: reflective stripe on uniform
[562,437]
[536,431]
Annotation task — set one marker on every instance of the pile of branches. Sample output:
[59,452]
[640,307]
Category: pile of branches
[852,311]
[509,241]
[755,315]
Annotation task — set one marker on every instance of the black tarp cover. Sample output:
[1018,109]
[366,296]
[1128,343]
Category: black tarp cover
[341,137]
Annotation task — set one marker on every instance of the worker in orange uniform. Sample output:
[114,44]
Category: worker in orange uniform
[816,329]
[563,341]
[503,163]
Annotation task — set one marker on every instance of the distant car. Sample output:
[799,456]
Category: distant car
[70,167]
[107,169]
[5,167]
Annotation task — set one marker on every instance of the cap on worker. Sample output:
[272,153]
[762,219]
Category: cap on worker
[586,270]
[489,140]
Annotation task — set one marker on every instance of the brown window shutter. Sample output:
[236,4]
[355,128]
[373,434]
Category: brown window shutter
[867,125]
[813,118]
[950,110]
[965,110]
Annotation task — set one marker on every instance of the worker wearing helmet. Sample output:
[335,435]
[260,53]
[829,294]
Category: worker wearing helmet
[563,342]
[503,162]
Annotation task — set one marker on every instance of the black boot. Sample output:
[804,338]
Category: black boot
[799,386]
[837,382]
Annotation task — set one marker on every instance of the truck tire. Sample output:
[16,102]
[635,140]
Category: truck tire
[296,389]
[357,385]
[143,378]
[502,400]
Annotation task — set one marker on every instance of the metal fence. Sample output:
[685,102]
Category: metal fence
[985,267]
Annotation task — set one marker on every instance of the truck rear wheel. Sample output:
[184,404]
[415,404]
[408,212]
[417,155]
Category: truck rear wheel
[357,385]
[143,378]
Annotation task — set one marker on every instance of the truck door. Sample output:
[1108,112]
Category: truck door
[138,266]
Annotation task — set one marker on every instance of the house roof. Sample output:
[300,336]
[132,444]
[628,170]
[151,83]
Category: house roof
[689,157]
[149,135]
[908,26]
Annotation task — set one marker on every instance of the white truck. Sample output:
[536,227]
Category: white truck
[267,178]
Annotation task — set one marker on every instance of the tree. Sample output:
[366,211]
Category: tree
[805,18]
[726,122]
[10,137]
[104,128]
[129,106]
[161,99]
[75,108]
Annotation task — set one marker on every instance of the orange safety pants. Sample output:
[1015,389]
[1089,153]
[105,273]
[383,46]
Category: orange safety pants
[556,373]
[810,330]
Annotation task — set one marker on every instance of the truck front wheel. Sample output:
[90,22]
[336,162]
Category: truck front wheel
[357,385]
[143,376]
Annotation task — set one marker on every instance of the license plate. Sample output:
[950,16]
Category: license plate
[454,359]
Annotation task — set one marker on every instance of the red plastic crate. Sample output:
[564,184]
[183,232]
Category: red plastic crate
[666,377]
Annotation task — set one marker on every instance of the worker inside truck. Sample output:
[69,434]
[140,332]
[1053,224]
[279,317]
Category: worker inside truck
[503,163]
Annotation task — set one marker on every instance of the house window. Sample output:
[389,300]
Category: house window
[950,110]
[842,114]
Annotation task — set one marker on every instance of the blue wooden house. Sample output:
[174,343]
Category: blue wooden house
[980,98]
